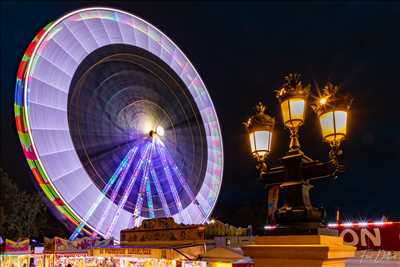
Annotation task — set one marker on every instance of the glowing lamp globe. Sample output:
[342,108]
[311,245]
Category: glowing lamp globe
[333,125]
[293,111]
[332,112]
[292,97]
[260,127]
[260,142]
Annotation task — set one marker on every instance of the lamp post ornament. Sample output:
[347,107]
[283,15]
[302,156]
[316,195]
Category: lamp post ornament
[294,176]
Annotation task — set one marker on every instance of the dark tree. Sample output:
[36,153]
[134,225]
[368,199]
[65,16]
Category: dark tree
[21,214]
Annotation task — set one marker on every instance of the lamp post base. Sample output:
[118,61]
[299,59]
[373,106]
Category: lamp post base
[299,251]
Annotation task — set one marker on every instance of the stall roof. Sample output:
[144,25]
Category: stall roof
[222,255]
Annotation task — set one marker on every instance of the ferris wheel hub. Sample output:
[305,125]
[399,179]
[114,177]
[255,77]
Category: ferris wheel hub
[159,131]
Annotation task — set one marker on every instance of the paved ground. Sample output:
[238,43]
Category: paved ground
[375,258]
[372,263]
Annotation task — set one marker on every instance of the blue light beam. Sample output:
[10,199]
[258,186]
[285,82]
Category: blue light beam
[177,172]
[139,202]
[116,189]
[170,180]
[149,199]
[160,193]
[123,165]
[181,179]
[128,189]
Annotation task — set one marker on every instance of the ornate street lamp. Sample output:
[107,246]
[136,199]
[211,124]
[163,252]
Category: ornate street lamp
[292,97]
[332,112]
[260,127]
[297,215]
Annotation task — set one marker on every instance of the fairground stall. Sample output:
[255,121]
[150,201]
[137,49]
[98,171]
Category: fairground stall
[15,253]
[55,252]
[157,242]
[62,252]
[21,254]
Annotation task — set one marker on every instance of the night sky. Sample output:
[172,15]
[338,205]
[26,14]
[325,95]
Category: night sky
[242,51]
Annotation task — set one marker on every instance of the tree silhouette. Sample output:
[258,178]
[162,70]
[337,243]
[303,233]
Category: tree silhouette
[22,215]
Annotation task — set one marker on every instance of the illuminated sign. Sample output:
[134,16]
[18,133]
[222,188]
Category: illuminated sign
[370,235]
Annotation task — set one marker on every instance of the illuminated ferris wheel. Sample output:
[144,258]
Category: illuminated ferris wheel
[116,124]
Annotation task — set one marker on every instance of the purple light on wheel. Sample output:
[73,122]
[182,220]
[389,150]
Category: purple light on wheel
[91,87]
[123,166]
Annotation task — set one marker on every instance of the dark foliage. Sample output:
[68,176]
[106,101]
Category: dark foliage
[23,214]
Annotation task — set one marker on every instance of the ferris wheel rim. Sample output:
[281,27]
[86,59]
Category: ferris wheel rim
[26,103]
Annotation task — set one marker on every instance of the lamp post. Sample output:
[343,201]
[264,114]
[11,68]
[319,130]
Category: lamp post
[294,176]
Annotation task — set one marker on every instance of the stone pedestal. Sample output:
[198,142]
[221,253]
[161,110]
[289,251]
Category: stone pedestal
[299,251]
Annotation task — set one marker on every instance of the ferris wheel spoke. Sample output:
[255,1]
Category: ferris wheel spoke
[123,165]
[78,40]
[150,205]
[106,146]
[96,121]
[139,202]
[63,72]
[83,36]
[111,129]
[79,192]
[105,152]
[109,120]
[122,90]
[160,193]
[103,30]
[170,180]
[47,106]
[92,34]
[47,83]
[57,152]
[67,55]
[92,115]
[116,189]
[177,172]
[128,189]
[186,123]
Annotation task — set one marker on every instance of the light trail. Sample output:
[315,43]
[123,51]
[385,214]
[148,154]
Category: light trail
[123,165]
[115,191]
[128,190]
[160,193]
[139,202]
[181,179]
[170,180]
[149,199]
[177,172]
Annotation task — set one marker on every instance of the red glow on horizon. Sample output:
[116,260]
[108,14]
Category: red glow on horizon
[346,224]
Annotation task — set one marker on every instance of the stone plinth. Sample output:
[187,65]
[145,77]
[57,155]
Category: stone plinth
[299,251]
